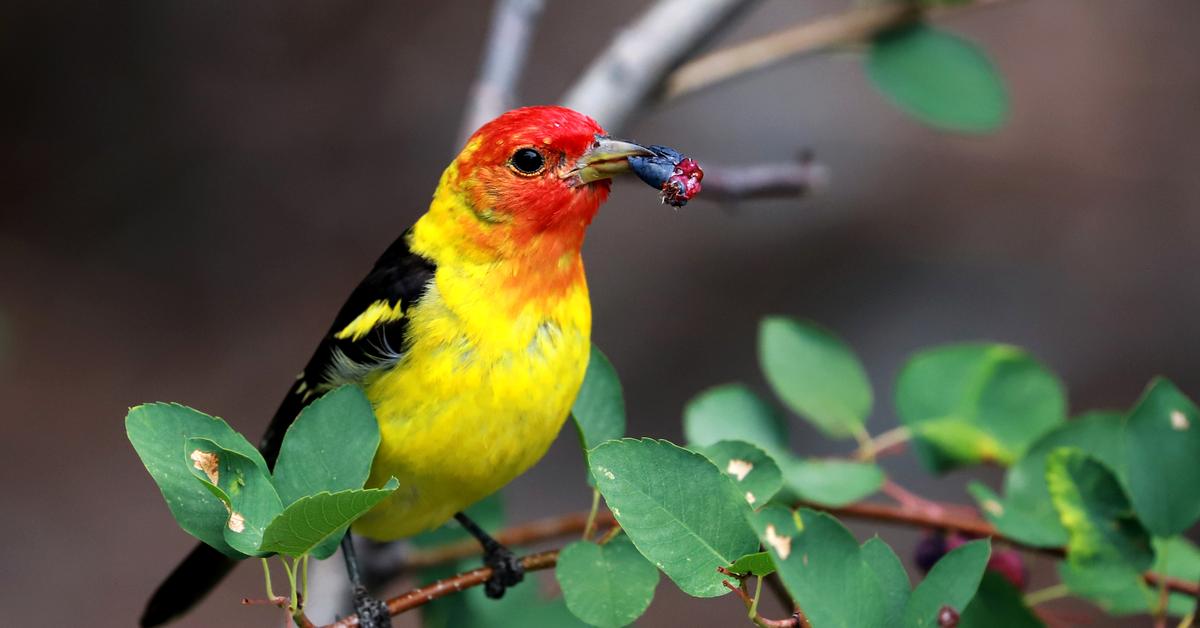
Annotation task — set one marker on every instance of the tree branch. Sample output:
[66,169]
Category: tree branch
[636,60]
[504,54]
[853,26]
[798,178]
[454,584]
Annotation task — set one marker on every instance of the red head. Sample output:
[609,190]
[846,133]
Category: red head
[538,169]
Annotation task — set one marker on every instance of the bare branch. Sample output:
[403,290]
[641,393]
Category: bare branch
[504,54]
[454,584]
[769,180]
[852,27]
[642,53]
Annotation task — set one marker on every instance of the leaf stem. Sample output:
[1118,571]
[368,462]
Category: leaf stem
[1041,596]
[757,593]
[872,448]
[304,580]
[609,535]
[590,526]
[267,576]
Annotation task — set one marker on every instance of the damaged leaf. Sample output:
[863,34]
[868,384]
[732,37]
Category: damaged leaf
[247,493]
[681,512]
[157,432]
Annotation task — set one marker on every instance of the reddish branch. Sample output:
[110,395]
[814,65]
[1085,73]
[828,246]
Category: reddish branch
[944,517]
[454,584]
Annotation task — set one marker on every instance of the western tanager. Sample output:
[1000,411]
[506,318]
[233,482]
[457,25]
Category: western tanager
[470,335]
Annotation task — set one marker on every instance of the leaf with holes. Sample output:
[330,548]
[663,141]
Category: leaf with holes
[1162,439]
[822,566]
[157,432]
[940,79]
[733,412]
[972,403]
[599,409]
[753,472]
[606,585]
[311,520]
[250,500]
[681,512]
[816,374]
[951,582]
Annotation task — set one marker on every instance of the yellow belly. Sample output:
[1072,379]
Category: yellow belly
[465,412]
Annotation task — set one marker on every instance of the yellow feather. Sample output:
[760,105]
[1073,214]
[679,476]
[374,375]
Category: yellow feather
[485,384]
[377,313]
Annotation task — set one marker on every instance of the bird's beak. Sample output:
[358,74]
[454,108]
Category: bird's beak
[606,158]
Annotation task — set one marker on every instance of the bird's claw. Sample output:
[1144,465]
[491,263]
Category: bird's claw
[507,571]
[372,612]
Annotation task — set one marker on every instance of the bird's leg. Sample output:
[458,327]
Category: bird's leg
[372,612]
[507,569]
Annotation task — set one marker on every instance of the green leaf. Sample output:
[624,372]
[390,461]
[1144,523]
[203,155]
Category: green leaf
[1178,558]
[606,585]
[241,484]
[940,79]
[157,432]
[1162,439]
[831,482]
[1116,588]
[758,564]
[599,409]
[753,472]
[681,512]
[1101,526]
[521,606]
[328,449]
[1119,589]
[1026,512]
[821,565]
[972,403]
[733,412]
[998,604]
[309,522]
[893,579]
[815,374]
[952,582]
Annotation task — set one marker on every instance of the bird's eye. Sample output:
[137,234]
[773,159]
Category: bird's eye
[527,161]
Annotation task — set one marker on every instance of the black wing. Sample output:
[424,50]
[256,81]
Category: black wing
[399,277]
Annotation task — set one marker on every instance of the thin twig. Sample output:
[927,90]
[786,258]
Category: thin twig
[504,54]
[759,620]
[622,77]
[454,584]
[851,27]
[797,178]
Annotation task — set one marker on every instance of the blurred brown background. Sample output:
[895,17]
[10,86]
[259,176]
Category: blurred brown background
[192,188]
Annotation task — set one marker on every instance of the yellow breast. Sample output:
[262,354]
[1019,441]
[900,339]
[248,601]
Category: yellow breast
[478,398]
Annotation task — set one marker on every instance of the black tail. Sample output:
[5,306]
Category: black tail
[193,579]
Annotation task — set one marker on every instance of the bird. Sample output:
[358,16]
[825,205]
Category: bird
[470,337]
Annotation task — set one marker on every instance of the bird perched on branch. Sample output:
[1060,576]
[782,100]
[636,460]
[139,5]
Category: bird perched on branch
[470,337]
